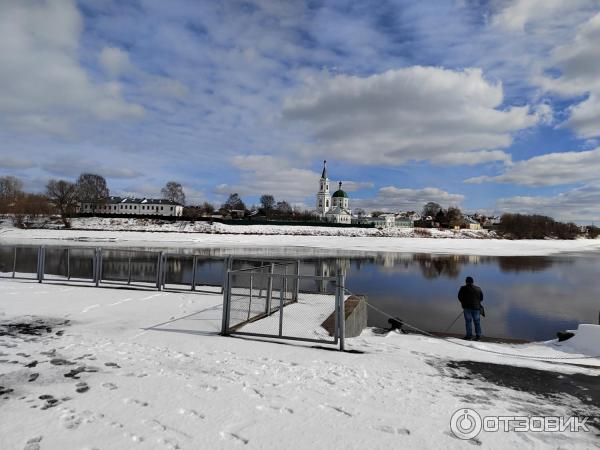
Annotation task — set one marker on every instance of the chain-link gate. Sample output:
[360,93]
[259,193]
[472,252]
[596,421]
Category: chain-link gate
[266,301]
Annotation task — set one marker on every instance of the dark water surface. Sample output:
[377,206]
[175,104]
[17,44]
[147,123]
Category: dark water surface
[525,297]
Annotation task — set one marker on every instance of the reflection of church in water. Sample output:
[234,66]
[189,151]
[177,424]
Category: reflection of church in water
[332,208]
[329,268]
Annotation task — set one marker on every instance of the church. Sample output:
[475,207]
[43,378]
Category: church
[332,208]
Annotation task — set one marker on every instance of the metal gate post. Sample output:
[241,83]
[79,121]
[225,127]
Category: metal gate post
[342,313]
[250,301]
[38,264]
[15,262]
[98,265]
[228,263]
[42,263]
[297,285]
[281,310]
[68,263]
[159,261]
[164,271]
[194,264]
[129,270]
[226,303]
[269,290]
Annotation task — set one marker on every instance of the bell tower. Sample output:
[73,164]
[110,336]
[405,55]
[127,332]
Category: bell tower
[323,197]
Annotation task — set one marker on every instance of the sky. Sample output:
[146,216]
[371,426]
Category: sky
[491,106]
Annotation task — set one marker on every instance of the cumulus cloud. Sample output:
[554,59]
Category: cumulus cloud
[579,75]
[42,85]
[550,169]
[579,205]
[391,198]
[265,174]
[417,113]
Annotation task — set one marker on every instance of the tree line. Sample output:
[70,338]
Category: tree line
[235,207]
[63,196]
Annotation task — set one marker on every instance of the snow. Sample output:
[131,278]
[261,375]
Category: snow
[155,374]
[275,237]
[585,341]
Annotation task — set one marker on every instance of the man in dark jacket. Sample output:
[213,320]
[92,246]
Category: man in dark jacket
[470,297]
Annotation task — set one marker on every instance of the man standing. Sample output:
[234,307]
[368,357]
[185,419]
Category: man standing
[470,297]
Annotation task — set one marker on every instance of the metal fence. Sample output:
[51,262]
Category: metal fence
[114,266]
[266,301]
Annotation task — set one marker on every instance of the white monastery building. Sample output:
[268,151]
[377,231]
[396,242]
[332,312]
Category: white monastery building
[133,207]
[333,208]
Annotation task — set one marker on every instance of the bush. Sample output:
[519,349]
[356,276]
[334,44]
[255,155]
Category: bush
[523,226]
[593,232]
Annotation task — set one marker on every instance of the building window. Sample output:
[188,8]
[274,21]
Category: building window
[171,208]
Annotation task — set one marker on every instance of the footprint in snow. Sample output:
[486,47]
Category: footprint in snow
[392,430]
[337,409]
[133,401]
[33,443]
[190,413]
[236,438]
[81,387]
[109,386]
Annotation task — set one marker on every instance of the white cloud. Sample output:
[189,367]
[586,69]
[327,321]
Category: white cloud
[73,166]
[578,205]
[518,14]
[115,61]
[147,189]
[42,85]
[416,113]
[265,174]
[580,75]
[550,169]
[352,186]
[8,162]
[391,198]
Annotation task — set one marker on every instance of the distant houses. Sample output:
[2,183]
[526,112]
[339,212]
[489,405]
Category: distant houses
[132,207]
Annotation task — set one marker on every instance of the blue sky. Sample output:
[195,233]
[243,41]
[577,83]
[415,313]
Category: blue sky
[489,105]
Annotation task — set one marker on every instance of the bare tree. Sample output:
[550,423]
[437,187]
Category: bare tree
[91,188]
[173,191]
[454,216]
[207,208]
[431,209]
[267,202]
[63,195]
[10,189]
[283,208]
[233,203]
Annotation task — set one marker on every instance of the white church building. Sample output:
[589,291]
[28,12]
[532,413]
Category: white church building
[332,208]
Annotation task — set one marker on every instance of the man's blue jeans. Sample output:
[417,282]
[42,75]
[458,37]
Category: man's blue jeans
[472,315]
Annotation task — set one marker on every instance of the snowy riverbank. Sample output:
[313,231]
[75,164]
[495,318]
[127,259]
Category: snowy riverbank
[312,245]
[146,369]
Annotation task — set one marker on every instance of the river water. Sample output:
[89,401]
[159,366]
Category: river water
[525,297]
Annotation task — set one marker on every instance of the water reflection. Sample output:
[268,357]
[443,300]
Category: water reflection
[526,297]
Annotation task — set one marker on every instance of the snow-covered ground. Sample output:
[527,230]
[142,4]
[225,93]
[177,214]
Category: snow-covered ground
[146,369]
[445,243]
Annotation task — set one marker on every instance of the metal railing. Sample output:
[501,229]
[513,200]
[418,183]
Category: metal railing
[266,301]
[113,266]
